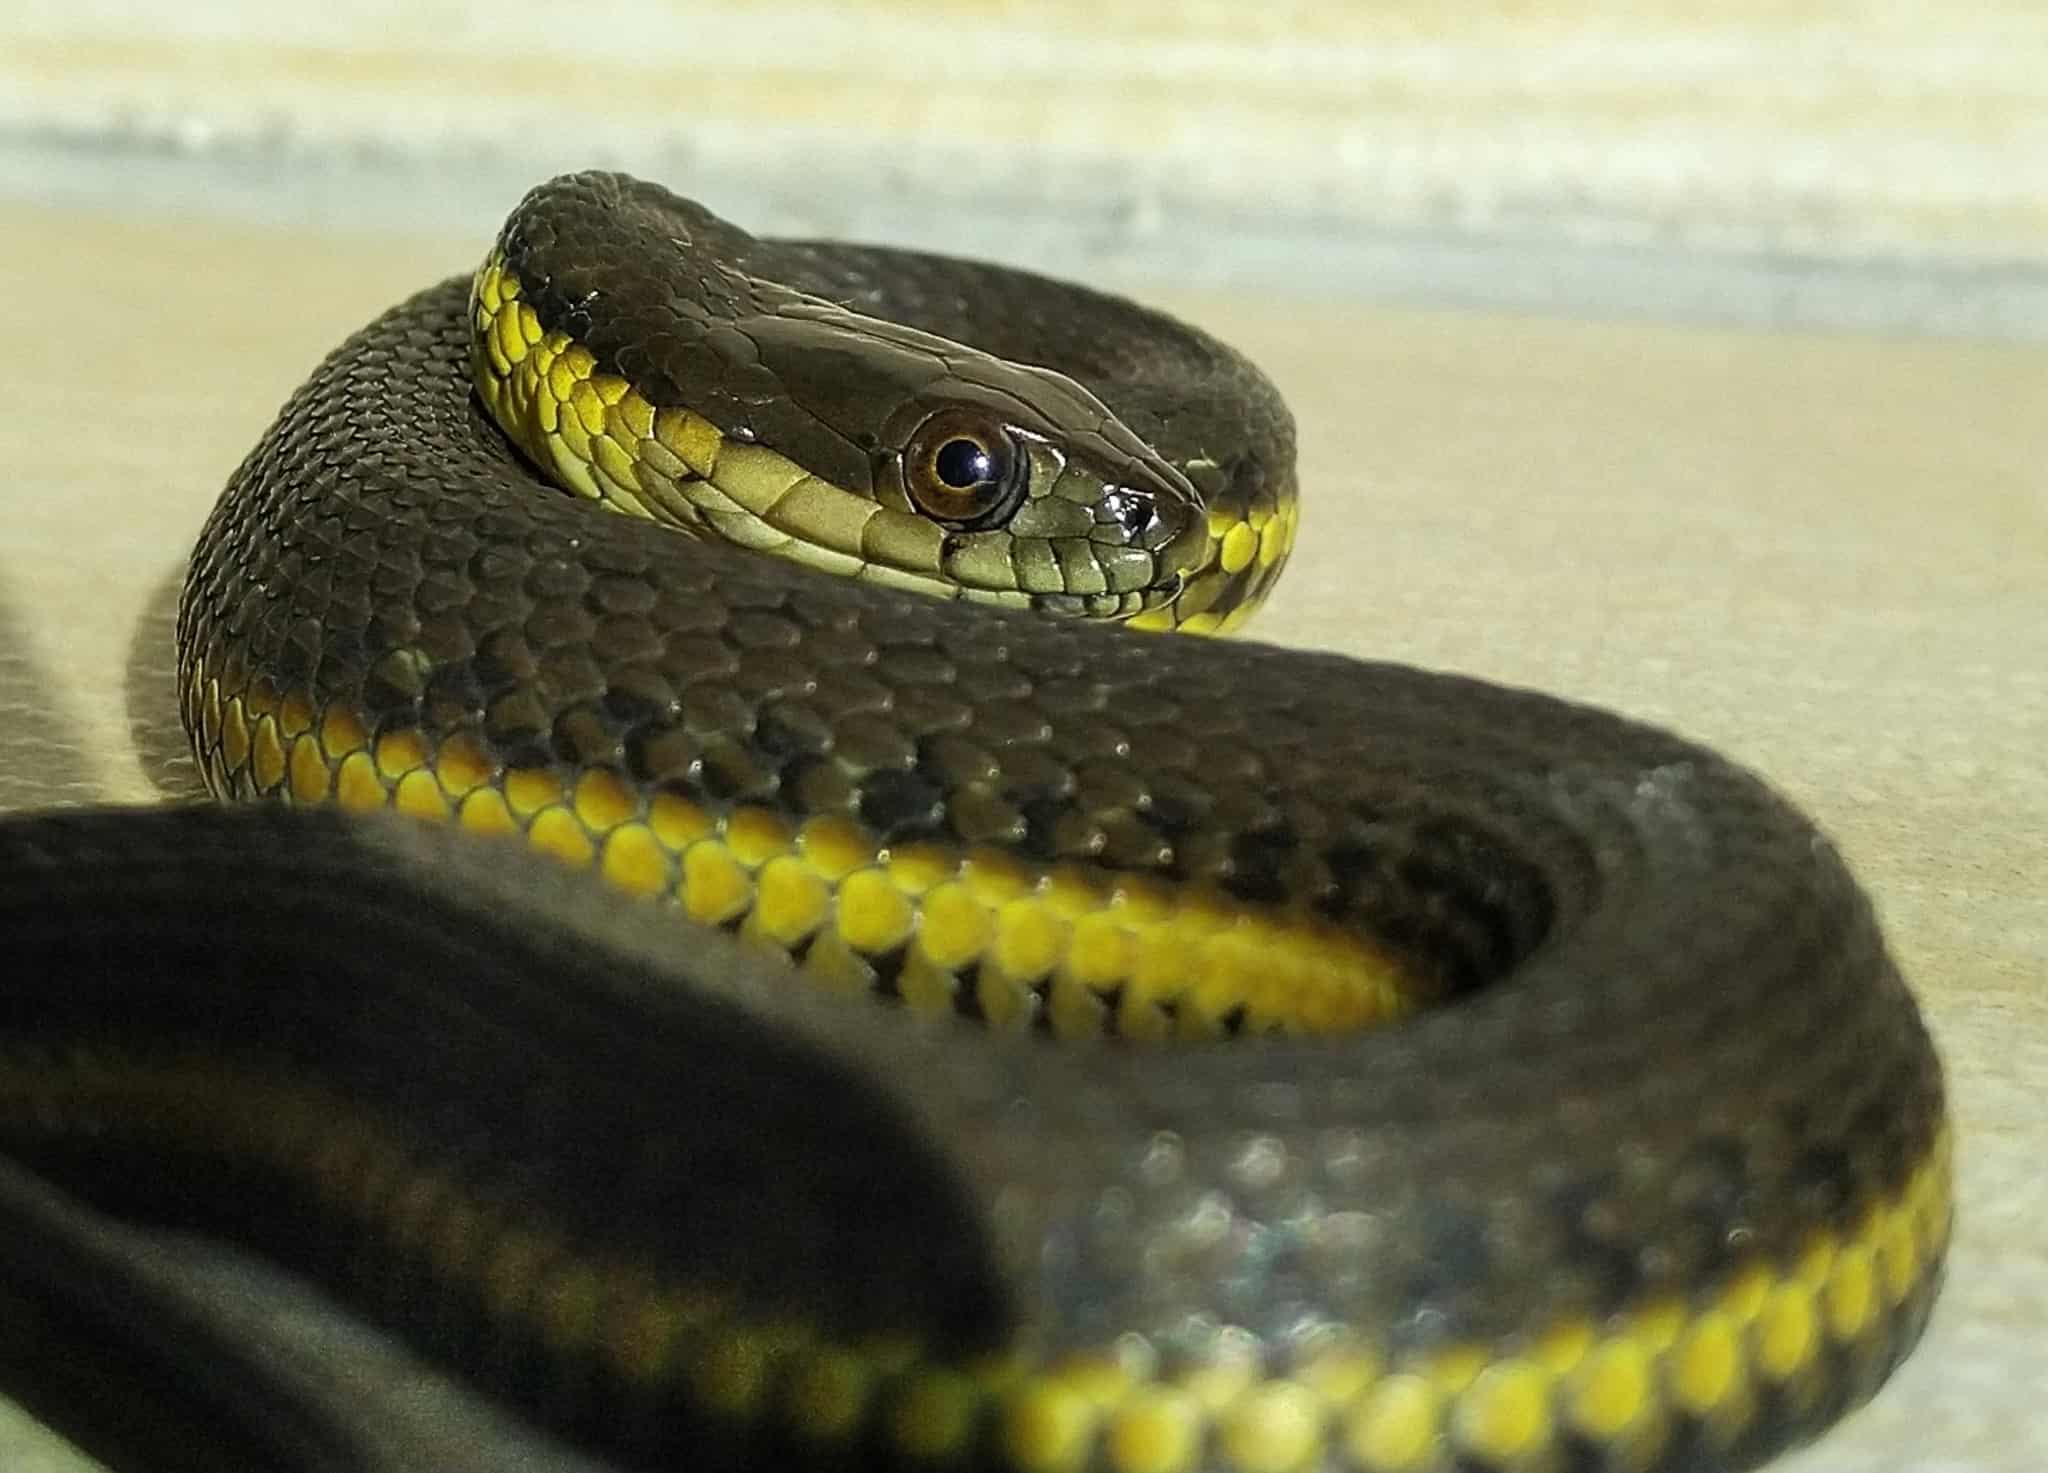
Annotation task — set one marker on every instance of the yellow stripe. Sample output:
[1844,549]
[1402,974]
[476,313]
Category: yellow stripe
[601,438]
[1080,949]
[1066,942]
[1073,947]
[1340,1400]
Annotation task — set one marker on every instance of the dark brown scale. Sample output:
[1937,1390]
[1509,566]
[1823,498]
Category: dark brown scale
[1675,1026]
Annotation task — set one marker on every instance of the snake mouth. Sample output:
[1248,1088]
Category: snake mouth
[1110,607]
[1170,568]
[1163,532]
[1108,535]
[1185,546]
[1150,536]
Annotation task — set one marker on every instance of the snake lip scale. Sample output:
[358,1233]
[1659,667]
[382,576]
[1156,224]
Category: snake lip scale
[852,1006]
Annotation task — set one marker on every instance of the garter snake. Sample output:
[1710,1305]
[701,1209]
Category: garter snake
[1287,1062]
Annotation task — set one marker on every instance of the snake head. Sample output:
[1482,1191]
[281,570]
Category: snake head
[993,481]
[1079,518]
[771,395]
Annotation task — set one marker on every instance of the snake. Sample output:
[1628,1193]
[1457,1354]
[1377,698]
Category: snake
[799,985]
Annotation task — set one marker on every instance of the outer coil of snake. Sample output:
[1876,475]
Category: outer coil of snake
[1283,1062]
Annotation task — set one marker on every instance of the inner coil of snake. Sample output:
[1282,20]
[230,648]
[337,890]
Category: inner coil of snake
[1020,1042]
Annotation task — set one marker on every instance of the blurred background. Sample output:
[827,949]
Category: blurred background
[1859,162]
[1683,358]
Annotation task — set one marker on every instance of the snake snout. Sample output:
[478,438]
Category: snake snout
[1175,531]
[1156,528]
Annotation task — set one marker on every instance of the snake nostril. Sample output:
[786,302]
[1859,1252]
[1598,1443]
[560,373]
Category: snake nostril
[1138,517]
[1133,511]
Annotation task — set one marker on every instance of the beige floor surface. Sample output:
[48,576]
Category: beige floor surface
[1828,556]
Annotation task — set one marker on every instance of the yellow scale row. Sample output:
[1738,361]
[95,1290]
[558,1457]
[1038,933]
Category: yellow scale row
[606,441]
[1342,1406]
[825,880]
[1615,1385]
[1175,964]
[1244,557]
[603,438]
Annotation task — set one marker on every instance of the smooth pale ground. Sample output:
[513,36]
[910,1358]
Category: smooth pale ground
[1828,556]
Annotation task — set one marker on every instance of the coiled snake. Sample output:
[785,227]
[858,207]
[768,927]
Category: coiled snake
[1446,1077]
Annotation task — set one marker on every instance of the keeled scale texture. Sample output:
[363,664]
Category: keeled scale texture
[1698,1063]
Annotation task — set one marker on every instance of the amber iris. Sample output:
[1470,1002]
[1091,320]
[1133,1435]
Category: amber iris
[965,469]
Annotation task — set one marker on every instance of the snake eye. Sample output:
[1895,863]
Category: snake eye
[964,468]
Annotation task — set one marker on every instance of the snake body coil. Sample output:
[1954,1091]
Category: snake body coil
[1647,1170]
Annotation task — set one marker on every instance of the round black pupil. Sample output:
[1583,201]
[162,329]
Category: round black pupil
[963,463]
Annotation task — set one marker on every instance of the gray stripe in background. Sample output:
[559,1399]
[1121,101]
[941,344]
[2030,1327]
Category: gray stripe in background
[1101,219]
